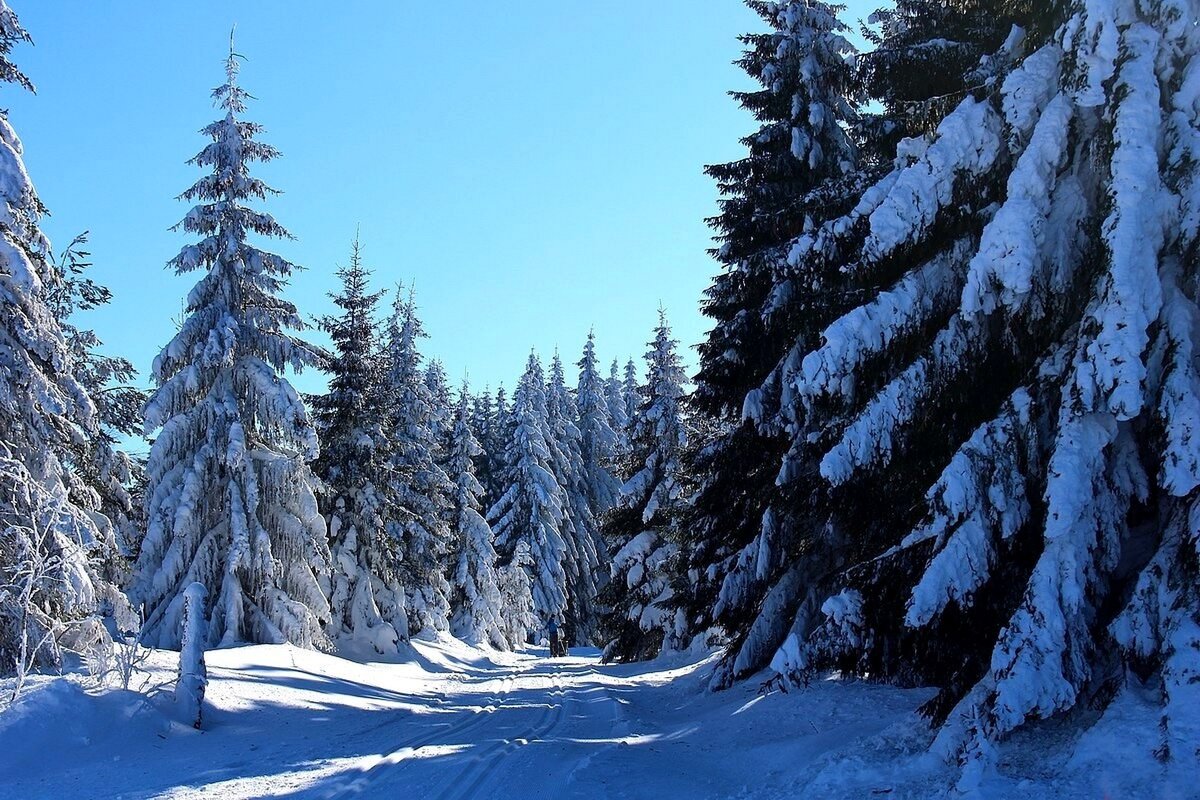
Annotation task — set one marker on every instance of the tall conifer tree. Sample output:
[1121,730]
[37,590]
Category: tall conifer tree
[475,600]
[803,165]
[1014,385]
[642,533]
[631,395]
[442,406]
[52,533]
[618,414]
[418,517]
[489,464]
[598,441]
[579,531]
[102,476]
[231,501]
[528,518]
[364,585]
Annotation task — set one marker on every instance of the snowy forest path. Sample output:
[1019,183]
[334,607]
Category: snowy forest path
[443,721]
[515,720]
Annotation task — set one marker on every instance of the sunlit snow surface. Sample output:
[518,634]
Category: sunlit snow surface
[450,722]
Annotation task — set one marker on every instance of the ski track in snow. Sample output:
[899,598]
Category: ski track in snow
[447,722]
[389,764]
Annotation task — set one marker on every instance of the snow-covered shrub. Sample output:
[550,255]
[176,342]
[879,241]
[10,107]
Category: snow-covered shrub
[518,618]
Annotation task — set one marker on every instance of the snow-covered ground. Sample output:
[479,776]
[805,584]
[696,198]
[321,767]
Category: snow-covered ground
[452,723]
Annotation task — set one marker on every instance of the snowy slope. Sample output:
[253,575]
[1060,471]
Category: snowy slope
[454,723]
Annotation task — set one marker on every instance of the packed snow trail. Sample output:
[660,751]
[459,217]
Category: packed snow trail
[452,723]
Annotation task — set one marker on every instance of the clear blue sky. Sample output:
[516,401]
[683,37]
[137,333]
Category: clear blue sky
[535,167]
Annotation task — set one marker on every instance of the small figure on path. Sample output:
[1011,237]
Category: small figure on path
[557,646]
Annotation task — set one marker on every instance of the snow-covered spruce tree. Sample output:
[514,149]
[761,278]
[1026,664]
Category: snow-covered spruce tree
[641,532]
[791,169]
[631,396]
[598,441]
[363,585]
[803,166]
[489,464]
[421,492]
[230,501]
[1017,392]
[101,475]
[585,549]
[501,437]
[441,427]
[475,602]
[618,415]
[503,413]
[530,514]
[441,406]
[517,616]
[53,535]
